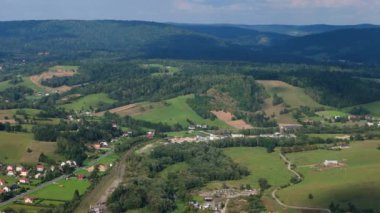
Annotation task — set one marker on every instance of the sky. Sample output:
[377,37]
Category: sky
[198,11]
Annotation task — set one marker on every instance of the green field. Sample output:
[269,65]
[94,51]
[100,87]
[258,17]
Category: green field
[373,108]
[293,96]
[62,190]
[173,169]
[63,67]
[112,158]
[357,181]
[163,70]
[332,113]
[26,83]
[86,102]
[177,111]
[325,136]
[13,148]
[261,165]
[9,113]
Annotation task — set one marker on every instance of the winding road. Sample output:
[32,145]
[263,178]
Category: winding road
[274,196]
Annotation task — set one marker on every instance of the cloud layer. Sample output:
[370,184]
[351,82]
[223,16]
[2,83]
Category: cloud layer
[199,11]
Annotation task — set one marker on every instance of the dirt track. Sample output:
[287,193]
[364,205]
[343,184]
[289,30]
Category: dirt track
[227,117]
[36,79]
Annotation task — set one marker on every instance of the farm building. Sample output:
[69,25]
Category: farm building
[40,168]
[2,182]
[19,168]
[331,163]
[28,200]
[10,168]
[289,127]
[11,173]
[24,173]
[24,180]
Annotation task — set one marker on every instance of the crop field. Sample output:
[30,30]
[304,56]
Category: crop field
[326,136]
[261,165]
[62,190]
[134,109]
[178,111]
[13,148]
[86,102]
[356,180]
[228,118]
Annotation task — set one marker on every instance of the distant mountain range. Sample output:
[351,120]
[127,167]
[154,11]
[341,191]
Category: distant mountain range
[135,39]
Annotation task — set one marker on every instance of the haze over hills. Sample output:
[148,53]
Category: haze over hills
[137,39]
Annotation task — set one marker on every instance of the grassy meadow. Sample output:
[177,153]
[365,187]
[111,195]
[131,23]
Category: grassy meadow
[62,190]
[13,148]
[86,102]
[356,181]
[261,165]
[178,111]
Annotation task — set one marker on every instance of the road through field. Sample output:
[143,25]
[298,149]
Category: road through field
[274,192]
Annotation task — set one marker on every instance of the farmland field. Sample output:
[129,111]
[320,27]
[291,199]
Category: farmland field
[332,113]
[293,96]
[62,190]
[178,111]
[261,165]
[13,148]
[86,102]
[26,83]
[356,181]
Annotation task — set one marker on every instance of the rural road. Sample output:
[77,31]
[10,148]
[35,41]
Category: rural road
[274,196]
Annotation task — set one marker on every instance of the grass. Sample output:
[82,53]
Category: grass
[62,190]
[332,113]
[13,148]
[86,102]
[181,134]
[357,181]
[178,111]
[325,136]
[373,108]
[26,83]
[293,96]
[163,70]
[261,165]
[63,67]
[174,169]
[109,159]
[10,112]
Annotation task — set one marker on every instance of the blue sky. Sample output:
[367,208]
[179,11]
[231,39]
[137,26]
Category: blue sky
[199,11]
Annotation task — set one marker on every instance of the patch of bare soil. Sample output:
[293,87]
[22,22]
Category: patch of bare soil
[228,118]
[37,79]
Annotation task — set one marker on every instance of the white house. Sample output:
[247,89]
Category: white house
[28,200]
[330,163]
[24,180]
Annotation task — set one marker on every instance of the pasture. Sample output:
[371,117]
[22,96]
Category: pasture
[14,146]
[332,113]
[356,181]
[293,96]
[26,82]
[175,111]
[90,101]
[62,190]
[260,164]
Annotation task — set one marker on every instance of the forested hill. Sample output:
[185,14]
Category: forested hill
[238,35]
[122,38]
[355,45]
[73,40]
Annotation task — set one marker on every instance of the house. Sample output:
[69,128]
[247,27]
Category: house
[209,199]
[150,134]
[289,127]
[331,163]
[2,191]
[2,182]
[114,125]
[370,124]
[19,168]
[10,168]
[100,167]
[191,127]
[24,173]
[11,173]
[28,200]
[24,180]
[40,168]
[70,163]
[103,144]
[38,176]
[6,189]
[237,135]
[81,177]
[96,146]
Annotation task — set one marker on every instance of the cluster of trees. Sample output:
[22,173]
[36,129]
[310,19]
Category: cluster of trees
[259,119]
[146,187]
[201,105]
